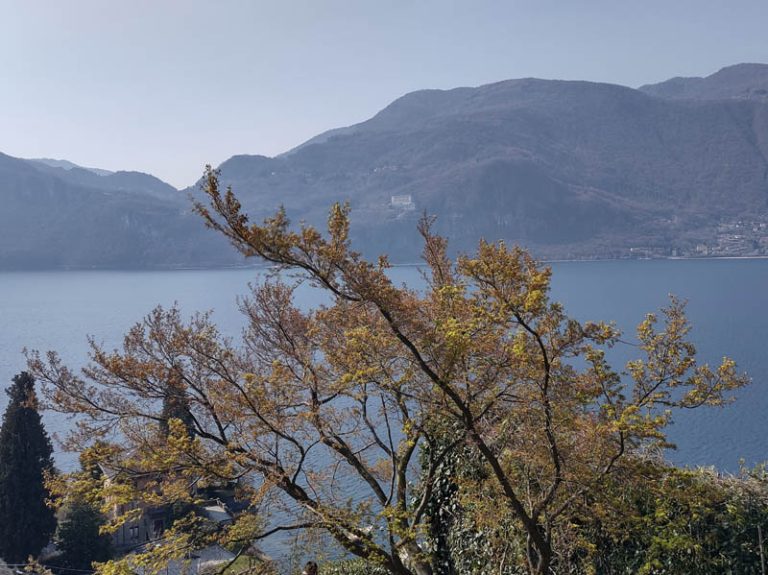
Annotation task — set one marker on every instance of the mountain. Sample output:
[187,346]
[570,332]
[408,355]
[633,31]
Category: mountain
[55,218]
[121,181]
[743,81]
[570,169]
[67,165]
[567,168]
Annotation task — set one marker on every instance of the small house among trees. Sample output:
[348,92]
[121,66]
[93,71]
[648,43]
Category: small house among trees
[147,521]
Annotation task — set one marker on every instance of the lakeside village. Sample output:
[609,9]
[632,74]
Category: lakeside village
[743,237]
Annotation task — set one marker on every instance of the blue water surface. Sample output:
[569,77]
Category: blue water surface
[727,305]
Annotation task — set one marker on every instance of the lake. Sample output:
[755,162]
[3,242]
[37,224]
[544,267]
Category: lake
[728,300]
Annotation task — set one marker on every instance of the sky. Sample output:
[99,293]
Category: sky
[168,86]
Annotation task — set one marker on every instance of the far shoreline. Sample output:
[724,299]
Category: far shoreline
[261,266]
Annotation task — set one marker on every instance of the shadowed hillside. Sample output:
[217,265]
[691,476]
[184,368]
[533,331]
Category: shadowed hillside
[55,218]
[569,169]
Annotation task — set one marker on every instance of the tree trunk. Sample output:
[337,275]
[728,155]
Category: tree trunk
[411,557]
[539,556]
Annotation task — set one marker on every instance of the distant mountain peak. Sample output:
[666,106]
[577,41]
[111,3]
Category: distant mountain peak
[67,165]
[121,181]
[412,110]
[744,67]
[746,81]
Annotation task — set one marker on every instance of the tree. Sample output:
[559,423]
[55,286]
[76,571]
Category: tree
[78,537]
[678,521]
[26,522]
[646,519]
[325,411]
[175,406]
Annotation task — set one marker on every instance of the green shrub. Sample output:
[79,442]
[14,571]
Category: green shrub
[352,567]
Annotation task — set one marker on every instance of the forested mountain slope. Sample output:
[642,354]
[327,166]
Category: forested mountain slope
[570,169]
[567,168]
[51,218]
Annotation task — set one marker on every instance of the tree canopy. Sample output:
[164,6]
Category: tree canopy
[323,413]
[25,460]
[78,538]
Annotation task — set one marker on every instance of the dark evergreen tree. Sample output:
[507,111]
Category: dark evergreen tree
[26,522]
[176,406]
[78,538]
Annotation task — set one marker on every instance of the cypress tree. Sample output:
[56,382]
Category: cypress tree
[26,522]
[176,406]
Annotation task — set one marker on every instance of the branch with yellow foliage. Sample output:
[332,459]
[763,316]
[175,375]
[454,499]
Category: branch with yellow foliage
[322,412]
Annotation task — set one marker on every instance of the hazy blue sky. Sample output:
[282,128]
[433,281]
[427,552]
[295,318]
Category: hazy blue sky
[167,86]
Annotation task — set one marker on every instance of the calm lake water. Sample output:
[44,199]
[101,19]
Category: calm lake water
[727,299]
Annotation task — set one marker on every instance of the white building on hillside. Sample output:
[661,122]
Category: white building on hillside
[404,202]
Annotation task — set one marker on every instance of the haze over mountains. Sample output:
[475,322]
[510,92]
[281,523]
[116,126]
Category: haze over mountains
[570,169]
[52,217]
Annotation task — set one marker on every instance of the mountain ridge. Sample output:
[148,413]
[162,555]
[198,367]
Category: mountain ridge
[67,165]
[740,81]
[51,220]
[569,169]
[628,165]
